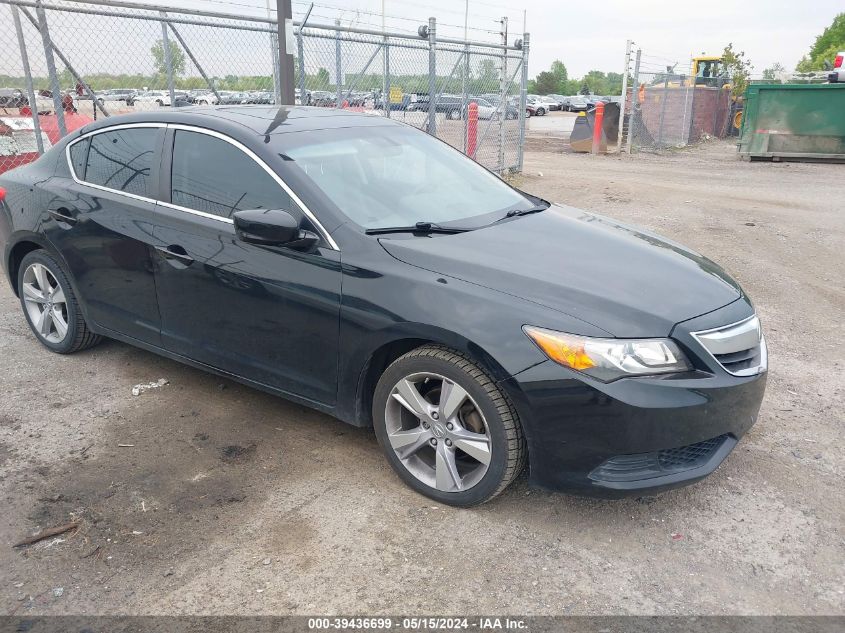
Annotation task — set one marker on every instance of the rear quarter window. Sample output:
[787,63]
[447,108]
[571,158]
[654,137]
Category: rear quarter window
[79,157]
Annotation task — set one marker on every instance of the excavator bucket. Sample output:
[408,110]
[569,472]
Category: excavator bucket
[610,125]
[581,138]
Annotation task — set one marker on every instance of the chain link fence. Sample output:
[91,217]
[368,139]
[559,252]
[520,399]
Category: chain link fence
[666,108]
[68,62]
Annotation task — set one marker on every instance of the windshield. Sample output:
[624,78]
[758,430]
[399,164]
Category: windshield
[392,175]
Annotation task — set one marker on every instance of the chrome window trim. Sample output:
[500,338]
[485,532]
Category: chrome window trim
[751,371]
[192,128]
[202,214]
[265,167]
[111,128]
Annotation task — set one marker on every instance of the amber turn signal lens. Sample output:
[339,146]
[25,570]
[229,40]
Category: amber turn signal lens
[563,349]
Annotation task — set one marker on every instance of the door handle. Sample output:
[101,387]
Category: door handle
[62,215]
[176,253]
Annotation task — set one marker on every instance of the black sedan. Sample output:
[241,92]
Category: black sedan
[363,268]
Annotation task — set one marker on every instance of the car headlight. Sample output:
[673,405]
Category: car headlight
[610,358]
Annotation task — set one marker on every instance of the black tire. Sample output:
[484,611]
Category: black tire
[508,448]
[78,336]
[541,112]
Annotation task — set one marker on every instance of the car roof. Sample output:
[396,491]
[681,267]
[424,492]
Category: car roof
[256,119]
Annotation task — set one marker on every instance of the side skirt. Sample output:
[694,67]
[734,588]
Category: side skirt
[313,404]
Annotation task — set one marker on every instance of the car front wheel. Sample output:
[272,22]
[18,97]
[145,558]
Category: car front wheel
[445,427]
[50,305]
[540,111]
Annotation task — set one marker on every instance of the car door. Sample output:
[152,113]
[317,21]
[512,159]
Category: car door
[101,221]
[266,313]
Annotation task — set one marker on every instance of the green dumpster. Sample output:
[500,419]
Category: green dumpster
[793,122]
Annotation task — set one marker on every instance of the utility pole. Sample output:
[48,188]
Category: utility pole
[385,74]
[624,101]
[284,14]
[635,84]
[503,94]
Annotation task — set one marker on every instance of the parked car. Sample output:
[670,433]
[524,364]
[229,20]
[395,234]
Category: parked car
[229,97]
[13,98]
[126,95]
[323,98]
[262,97]
[363,268]
[378,103]
[577,104]
[202,97]
[18,144]
[535,107]
[551,103]
[152,97]
[511,110]
[357,99]
[561,101]
[486,110]
[450,105]
[298,100]
[594,100]
[837,75]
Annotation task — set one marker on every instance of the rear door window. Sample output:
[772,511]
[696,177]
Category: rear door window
[123,160]
[213,176]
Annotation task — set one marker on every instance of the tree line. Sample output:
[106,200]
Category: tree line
[481,77]
[556,81]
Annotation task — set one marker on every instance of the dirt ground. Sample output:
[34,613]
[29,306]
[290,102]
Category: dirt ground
[206,497]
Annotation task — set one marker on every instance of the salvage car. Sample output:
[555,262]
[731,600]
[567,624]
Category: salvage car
[358,266]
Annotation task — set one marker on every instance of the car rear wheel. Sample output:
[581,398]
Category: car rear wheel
[454,115]
[540,111]
[50,305]
[445,427]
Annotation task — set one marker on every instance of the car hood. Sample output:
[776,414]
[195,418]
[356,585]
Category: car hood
[625,280]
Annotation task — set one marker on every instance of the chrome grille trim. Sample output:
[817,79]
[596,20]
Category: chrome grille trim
[739,348]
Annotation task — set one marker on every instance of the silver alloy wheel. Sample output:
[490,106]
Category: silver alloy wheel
[438,432]
[45,303]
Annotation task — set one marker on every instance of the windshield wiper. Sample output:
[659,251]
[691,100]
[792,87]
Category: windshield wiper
[419,227]
[517,212]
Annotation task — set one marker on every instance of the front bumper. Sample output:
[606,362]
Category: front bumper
[636,436]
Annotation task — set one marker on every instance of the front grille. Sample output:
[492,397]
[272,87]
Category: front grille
[740,347]
[738,362]
[659,463]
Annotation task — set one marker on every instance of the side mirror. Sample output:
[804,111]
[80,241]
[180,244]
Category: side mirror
[272,227]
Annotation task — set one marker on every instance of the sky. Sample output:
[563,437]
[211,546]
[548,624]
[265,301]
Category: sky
[592,35]
[586,35]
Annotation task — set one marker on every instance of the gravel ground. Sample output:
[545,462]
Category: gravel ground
[224,500]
